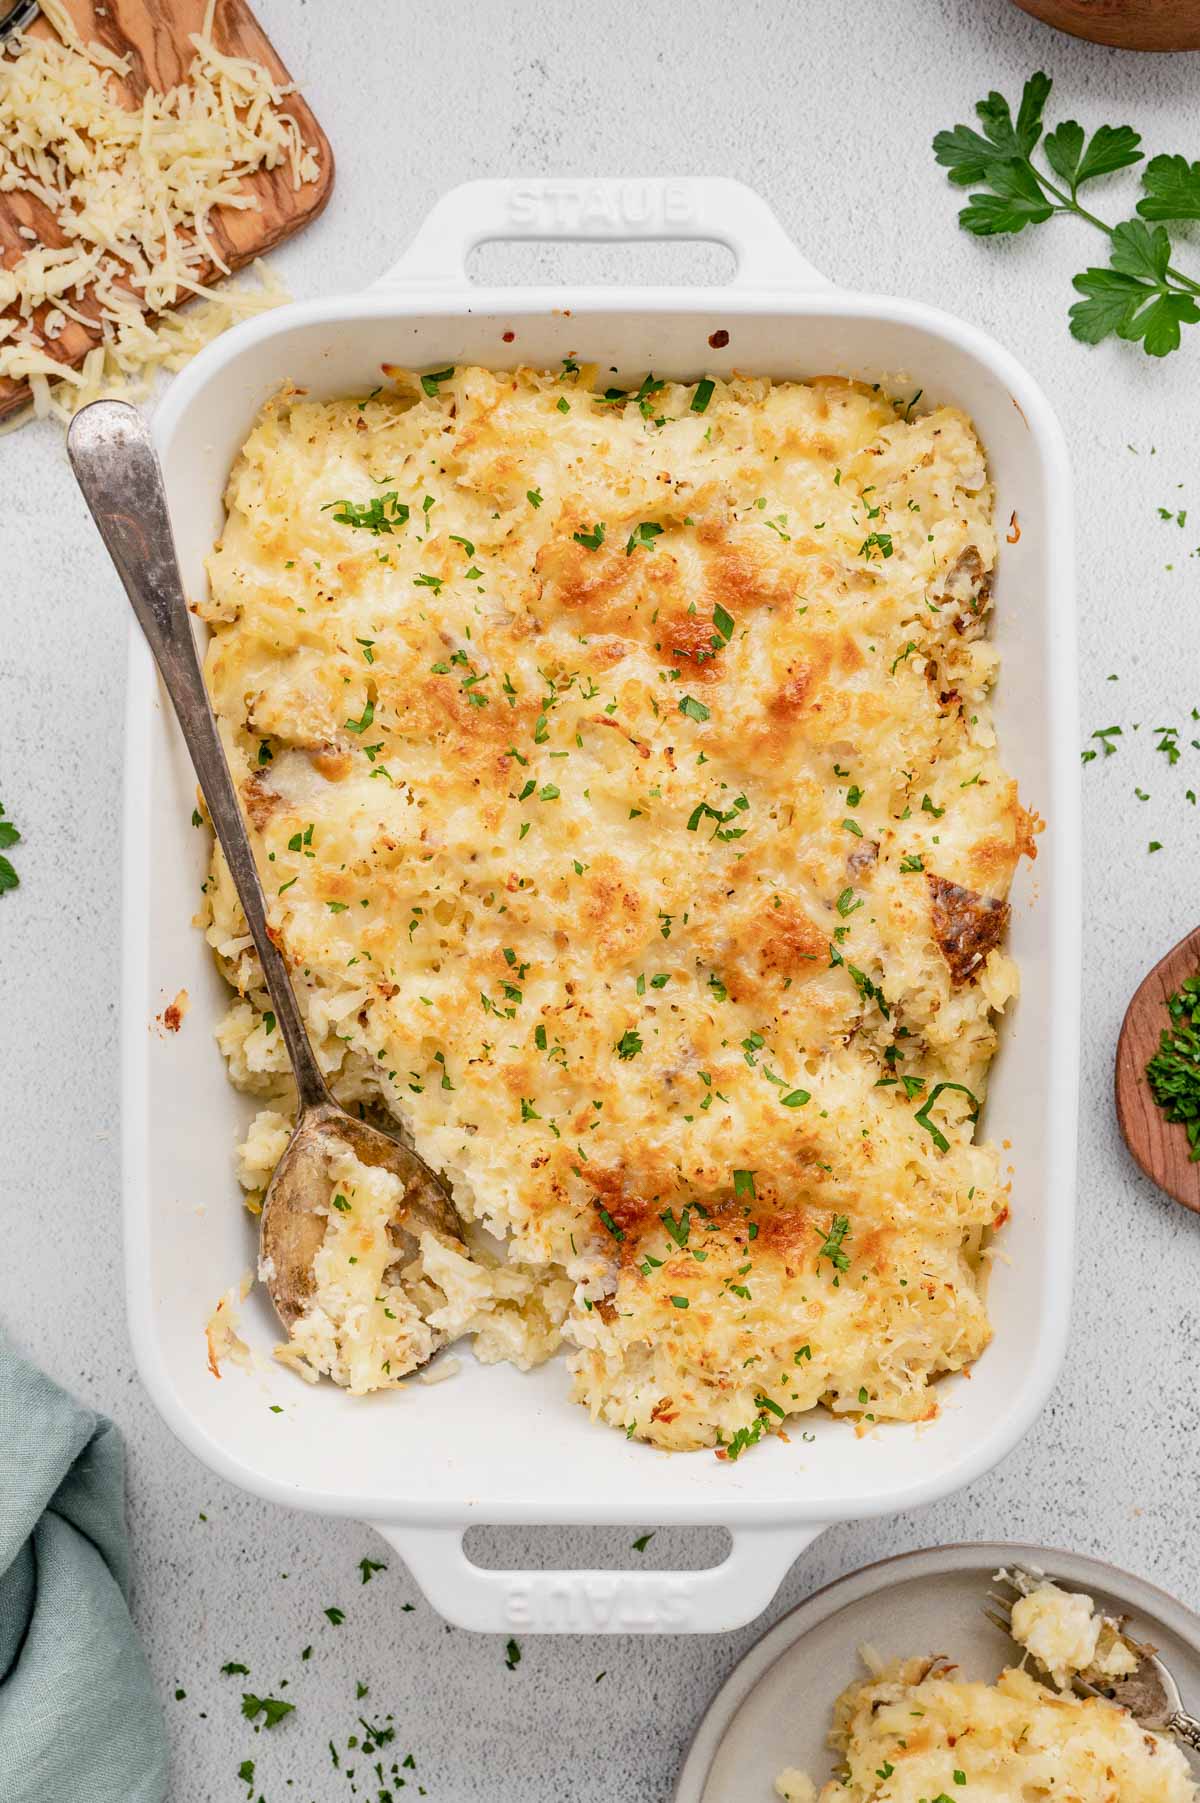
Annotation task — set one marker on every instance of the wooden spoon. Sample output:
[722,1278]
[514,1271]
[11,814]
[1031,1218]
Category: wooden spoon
[1159,1146]
[113,457]
[1125,24]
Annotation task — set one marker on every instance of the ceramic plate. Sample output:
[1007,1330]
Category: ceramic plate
[774,1710]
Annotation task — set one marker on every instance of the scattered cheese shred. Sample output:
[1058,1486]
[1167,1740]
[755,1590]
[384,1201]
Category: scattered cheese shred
[132,191]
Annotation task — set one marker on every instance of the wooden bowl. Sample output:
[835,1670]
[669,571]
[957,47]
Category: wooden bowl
[1126,24]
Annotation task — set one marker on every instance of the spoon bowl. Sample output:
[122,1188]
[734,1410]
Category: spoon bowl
[295,1207]
[1160,1147]
[114,461]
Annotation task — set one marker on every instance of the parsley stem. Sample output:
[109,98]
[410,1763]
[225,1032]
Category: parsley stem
[1069,204]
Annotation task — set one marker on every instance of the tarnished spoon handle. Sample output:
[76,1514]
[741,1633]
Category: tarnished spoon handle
[115,465]
[1185,1727]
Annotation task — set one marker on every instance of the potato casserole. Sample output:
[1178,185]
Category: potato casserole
[621,773]
[918,1731]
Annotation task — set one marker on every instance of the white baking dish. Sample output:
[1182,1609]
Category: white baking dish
[493,1446]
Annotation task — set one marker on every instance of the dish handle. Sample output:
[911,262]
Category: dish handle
[600,1602]
[710,209]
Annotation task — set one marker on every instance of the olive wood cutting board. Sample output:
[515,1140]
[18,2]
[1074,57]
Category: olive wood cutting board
[1159,1146]
[154,35]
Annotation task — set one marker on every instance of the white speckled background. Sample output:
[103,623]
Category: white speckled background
[828,109]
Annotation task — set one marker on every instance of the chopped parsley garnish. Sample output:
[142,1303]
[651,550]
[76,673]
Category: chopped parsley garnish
[380,515]
[679,1302]
[365,719]
[629,1044]
[923,1118]
[834,1243]
[695,710]
[593,539]
[1174,1071]
[846,903]
[512,1655]
[643,534]
[876,541]
[534,497]
[743,1184]
[744,1437]
[431,382]
[639,1546]
[368,1568]
[678,1229]
[702,396]
[722,830]
[912,861]
[617,1232]
[336,1616]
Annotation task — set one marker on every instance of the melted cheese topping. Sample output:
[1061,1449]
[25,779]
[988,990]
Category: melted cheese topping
[131,189]
[623,781]
[916,1731]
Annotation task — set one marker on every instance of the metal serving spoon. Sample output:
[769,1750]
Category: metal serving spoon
[113,457]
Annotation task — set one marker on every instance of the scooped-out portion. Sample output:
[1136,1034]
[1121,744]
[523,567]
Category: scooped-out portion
[621,770]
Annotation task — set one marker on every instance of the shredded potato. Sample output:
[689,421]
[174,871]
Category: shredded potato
[132,190]
[623,778]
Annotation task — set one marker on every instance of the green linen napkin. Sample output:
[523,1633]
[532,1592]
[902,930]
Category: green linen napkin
[79,1718]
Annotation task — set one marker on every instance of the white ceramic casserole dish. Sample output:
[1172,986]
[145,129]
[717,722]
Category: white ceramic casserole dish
[493,1446]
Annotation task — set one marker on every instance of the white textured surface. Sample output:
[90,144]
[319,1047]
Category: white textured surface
[828,111]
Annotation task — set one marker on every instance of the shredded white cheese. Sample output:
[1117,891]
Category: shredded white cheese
[132,190]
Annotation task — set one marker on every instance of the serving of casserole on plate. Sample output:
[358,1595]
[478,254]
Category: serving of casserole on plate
[621,768]
[915,1730]
[1003,1721]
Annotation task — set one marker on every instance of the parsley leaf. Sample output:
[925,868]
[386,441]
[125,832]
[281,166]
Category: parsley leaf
[834,1244]
[643,534]
[1172,187]
[922,1116]
[9,836]
[272,1709]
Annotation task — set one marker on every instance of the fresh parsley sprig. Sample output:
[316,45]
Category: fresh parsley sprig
[1141,296]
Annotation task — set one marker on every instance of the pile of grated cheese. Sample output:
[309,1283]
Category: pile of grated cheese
[132,191]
